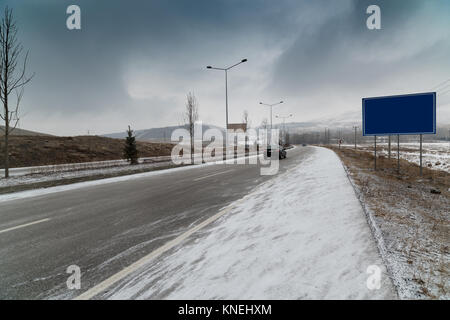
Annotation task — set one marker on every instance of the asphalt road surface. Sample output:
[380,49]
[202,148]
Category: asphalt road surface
[105,228]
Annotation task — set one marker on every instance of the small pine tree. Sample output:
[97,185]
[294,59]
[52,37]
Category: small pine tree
[130,150]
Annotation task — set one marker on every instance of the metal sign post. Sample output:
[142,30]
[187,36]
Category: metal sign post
[398,153]
[420,155]
[375,152]
[409,114]
[389,147]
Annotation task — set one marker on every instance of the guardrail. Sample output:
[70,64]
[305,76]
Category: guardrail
[79,166]
[21,171]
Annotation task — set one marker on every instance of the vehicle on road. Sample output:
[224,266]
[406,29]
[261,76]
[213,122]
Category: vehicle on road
[282,154]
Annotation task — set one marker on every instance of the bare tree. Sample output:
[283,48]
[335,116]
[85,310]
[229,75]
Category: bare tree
[287,139]
[12,78]
[191,116]
[245,119]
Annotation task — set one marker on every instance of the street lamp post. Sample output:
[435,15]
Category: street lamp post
[226,86]
[284,124]
[271,106]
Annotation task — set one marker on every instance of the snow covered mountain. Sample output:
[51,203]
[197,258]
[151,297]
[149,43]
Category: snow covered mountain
[160,134]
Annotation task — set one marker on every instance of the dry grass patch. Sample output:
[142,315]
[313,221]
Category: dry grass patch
[28,151]
[412,213]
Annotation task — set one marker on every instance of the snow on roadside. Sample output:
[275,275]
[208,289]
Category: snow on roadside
[60,175]
[301,235]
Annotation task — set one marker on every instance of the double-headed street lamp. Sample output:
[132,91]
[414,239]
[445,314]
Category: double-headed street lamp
[271,106]
[226,86]
[284,124]
[284,119]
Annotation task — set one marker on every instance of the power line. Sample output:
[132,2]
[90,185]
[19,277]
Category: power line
[444,93]
[440,84]
[447,86]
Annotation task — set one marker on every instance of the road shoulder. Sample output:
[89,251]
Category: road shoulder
[300,235]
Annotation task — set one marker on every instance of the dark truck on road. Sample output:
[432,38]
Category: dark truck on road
[281,152]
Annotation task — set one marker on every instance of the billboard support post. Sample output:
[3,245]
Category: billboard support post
[408,114]
[420,155]
[398,153]
[375,140]
[389,147]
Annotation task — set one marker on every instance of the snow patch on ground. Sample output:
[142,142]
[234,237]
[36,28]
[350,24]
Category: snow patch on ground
[301,235]
[435,155]
[44,176]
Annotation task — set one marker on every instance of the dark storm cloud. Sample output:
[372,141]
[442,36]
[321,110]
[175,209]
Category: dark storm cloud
[136,60]
[82,70]
[326,56]
[329,69]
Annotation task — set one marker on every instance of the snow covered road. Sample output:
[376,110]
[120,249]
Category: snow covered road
[300,235]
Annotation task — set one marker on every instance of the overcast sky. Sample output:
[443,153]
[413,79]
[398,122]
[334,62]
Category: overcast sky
[133,62]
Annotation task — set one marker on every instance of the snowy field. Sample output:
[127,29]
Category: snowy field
[301,235]
[436,155]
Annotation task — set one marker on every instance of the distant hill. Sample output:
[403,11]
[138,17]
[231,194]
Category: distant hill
[344,121]
[154,134]
[22,132]
[343,124]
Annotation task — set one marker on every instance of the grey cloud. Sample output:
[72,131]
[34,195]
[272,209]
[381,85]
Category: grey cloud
[164,46]
[326,55]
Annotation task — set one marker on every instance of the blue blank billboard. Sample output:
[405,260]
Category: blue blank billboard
[405,114]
